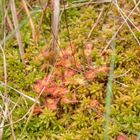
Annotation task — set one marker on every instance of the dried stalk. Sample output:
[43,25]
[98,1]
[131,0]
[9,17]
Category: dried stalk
[10,23]
[125,19]
[96,23]
[55,23]
[30,19]
[5,99]
[6,18]
[5,104]
[16,25]
[115,34]
[40,22]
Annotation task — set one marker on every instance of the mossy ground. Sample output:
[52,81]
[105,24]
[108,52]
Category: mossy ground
[79,121]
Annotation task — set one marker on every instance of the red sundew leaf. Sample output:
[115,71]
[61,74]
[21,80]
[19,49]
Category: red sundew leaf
[59,92]
[48,54]
[52,103]
[37,110]
[59,74]
[64,63]
[90,75]
[38,86]
[134,137]
[68,81]
[68,63]
[47,80]
[68,101]
[88,49]
[68,73]
[66,54]
[50,89]
[78,66]
[75,81]
[45,54]
[69,51]
[89,46]
[72,48]
[104,69]
[122,137]
[61,63]
[94,104]
[65,100]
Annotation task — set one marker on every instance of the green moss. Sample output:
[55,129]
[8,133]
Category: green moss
[80,120]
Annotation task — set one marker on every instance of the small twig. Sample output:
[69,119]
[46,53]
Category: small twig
[128,19]
[96,23]
[16,104]
[3,97]
[120,83]
[88,3]
[17,120]
[40,22]
[137,7]
[121,74]
[8,19]
[30,19]
[3,121]
[116,3]
[22,94]
[115,34]
[9,23]
[12,128]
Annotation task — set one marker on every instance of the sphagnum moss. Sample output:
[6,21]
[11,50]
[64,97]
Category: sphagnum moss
[82,120]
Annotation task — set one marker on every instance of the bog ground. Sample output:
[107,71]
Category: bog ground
[72,78]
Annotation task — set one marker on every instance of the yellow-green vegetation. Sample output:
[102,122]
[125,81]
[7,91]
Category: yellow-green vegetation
[84,120]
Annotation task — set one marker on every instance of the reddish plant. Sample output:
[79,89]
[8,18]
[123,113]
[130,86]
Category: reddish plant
[65,74]
[122,137]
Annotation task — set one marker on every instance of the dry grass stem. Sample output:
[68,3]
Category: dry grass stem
[125,19]
[96,23]
[22,94]
[30,19]
[16,25]
[115,34]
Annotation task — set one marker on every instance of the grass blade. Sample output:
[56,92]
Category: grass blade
[109,92]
